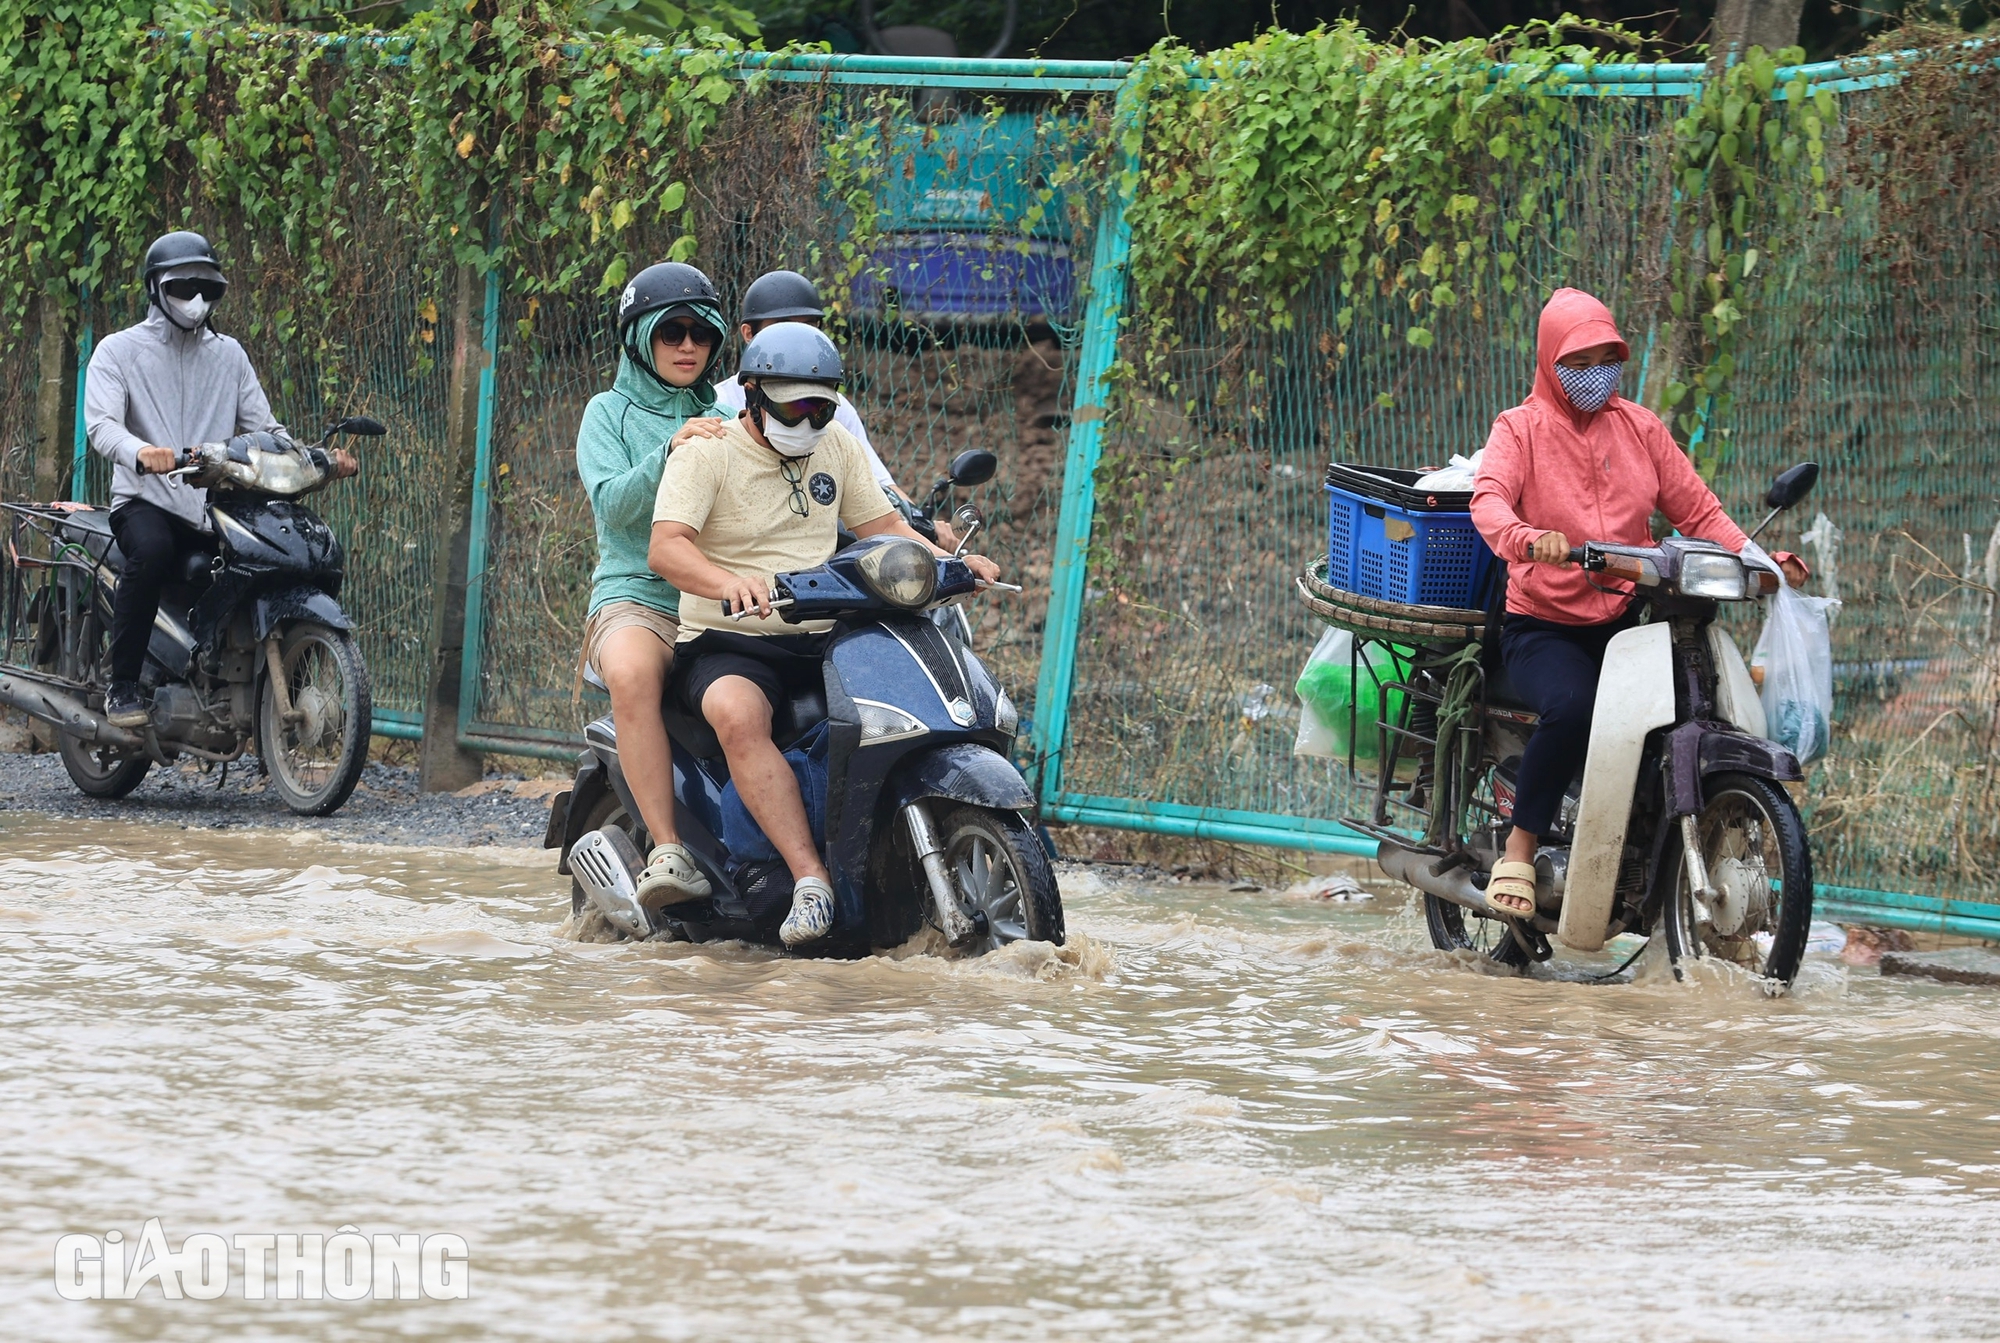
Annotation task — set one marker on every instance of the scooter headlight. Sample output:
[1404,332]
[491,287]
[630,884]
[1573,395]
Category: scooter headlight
[885,722]
[284,472]
[1719,578]
[901,571]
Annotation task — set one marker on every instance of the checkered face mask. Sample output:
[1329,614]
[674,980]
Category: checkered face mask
[1589,388]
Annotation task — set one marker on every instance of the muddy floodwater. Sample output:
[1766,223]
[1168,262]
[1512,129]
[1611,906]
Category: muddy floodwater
[1212,1116]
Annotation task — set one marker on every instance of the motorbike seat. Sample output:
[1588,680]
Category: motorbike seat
[1501,693]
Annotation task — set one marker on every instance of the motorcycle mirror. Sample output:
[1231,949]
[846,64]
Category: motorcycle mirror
[1793,485]
[969,521]
[359,425]
[975,466]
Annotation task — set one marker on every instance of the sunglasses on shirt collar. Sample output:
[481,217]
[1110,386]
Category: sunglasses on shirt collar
[188,288]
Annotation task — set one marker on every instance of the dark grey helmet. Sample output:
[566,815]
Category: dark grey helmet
[779,294]
[665,285]
[184,252]
[791,352]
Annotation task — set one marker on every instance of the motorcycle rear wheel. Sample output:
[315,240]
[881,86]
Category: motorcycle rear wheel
[99,770]
[1755,847]
[1447,925]
[999,868]
[315,762]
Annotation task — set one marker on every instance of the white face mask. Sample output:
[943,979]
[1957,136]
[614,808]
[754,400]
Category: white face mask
[185,313]
[792,440]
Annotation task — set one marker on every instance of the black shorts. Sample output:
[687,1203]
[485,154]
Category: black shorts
[778,664]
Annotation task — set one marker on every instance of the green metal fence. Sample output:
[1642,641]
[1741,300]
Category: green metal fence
[1155,649]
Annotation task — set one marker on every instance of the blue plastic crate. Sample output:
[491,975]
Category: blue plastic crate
[1388,540]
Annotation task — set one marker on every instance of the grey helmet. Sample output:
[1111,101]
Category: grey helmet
[791,352]
[182,255]
[780,294]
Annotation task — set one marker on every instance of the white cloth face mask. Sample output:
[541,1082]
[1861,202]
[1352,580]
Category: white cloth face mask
[792,440]
[186,313]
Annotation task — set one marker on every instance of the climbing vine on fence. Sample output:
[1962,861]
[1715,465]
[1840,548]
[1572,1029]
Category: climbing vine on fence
[1749,160]
[116,129]
[1422,173]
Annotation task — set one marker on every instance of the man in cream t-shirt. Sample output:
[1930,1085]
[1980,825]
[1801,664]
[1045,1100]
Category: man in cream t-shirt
[766,496]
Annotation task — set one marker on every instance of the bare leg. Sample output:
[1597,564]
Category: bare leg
[741,717]
[1521,846]
[634,664]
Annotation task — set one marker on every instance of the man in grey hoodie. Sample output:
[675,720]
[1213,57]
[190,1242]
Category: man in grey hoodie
[169,383]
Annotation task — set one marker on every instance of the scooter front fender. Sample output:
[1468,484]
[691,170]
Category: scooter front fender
[1635,695]
[273,609]
[962,772]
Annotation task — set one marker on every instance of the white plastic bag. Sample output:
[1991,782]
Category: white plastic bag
[1796,652]
[1335,648]
[1459,476]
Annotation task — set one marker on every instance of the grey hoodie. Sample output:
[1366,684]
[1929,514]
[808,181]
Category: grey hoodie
[155,385]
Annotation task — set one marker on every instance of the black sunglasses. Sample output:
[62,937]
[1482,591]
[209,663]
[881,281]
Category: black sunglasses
[673,333]
[791,414]
[212,290]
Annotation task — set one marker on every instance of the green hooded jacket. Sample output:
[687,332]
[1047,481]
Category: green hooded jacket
[620,448]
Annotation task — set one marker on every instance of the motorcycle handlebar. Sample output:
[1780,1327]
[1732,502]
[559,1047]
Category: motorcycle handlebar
[1576,555]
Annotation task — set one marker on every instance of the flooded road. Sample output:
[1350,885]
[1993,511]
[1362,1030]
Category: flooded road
[1214,1116]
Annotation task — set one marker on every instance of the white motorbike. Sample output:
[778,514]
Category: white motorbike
[1681,822]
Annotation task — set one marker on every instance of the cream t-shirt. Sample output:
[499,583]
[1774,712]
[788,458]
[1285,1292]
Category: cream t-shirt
[738,496]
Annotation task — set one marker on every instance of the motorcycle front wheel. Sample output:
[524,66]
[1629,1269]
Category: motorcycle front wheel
[999,869]
[315,758]
[1760,869]
[99,770]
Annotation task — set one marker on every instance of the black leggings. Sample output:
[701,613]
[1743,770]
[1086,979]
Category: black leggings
[153,542]
[1554,668]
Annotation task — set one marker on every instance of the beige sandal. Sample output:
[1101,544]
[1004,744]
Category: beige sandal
[1511,889]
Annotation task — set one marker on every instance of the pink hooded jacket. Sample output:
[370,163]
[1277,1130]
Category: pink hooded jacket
[1591,475]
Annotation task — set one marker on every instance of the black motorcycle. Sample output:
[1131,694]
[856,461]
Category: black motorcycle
[250,649]
[924,818]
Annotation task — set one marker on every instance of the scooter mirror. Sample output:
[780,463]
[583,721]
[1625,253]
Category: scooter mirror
[975,466]
[1792,485]
[359,425]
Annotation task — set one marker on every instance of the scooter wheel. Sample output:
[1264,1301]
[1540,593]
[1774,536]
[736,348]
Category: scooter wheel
[1754,845]
[998,868]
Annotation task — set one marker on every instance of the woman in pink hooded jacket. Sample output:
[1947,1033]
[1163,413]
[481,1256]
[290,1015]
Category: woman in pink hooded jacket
[1575,462]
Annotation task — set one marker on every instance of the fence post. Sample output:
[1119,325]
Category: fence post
[1068,562]
[444,765]
[52,436]
[79,462]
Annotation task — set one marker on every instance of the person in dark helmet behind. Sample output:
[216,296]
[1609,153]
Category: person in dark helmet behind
[168,383]
[787,296]
[670,330]
[768,496]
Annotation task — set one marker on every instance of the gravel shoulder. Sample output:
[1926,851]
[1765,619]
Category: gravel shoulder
[387,806]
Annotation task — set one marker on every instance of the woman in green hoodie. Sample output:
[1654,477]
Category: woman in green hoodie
[670,338]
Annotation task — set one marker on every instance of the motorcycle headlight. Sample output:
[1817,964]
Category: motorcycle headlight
[1005,716]
[901,571]
[284,472]
[1719,578]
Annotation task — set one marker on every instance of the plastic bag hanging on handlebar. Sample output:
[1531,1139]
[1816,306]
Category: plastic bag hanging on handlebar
[1796,652]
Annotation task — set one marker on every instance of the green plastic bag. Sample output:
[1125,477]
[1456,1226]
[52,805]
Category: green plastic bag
[1334,682]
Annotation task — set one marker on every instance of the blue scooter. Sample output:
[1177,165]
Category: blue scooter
[903,752]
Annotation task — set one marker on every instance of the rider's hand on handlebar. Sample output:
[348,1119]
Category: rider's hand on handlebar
[157,461]
[343,463]
[983,569]
[741,595]
[1794,570]
[1550,548]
